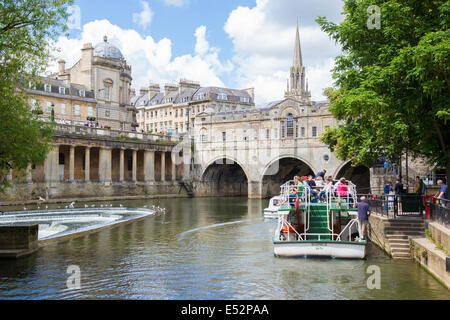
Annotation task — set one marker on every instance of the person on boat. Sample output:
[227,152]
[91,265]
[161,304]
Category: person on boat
[363,215]
[342,190]
[307,186]
[326,189]
[293,190]
[319,182]
[311,181]
[321,174]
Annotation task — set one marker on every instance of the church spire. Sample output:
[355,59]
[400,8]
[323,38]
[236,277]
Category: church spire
[298,62]
[297,87]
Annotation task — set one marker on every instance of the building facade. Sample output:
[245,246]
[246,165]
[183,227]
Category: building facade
[174,109]
[103,71]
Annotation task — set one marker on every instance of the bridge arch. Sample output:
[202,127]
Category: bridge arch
[359,175]
[280,170]
[225,176]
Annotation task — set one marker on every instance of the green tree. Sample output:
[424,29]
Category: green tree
[27,29]
[392,91]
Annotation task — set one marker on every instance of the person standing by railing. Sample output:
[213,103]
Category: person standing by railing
[442,193]
[363,215]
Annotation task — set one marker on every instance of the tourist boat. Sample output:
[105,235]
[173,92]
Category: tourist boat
[272,210]
[329,229]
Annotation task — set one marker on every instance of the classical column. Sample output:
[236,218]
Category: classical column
[174,169]
[87,164]
[29,173]
[134,171]
[51,165]
[163,166]
[149,166]
[104,169]
[122,165]
[72,164]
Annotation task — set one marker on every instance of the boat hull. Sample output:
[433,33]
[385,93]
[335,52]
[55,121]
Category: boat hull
[271,214]
[333,249]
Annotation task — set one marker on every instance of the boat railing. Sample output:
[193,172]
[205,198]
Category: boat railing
[348,227]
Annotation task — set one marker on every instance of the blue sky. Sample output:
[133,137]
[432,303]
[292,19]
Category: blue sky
[232,43]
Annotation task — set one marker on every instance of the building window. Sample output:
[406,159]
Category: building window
[327,127]
[176,113]
[244,135]
[296,128]
[181,112]
[303,132]
[82,93]
[90,111]
[290,125]
[224,136]
[283,130]
[222,96]
[245,99]
[62,90]
[47,87]
[76,110]
[63,108]
[107,93]
[107,113]
[267,134]
[314,132]
[49,106]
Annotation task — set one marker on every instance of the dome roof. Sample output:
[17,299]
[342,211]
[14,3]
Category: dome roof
[106,50]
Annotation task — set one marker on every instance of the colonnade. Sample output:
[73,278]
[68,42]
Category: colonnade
[72,163]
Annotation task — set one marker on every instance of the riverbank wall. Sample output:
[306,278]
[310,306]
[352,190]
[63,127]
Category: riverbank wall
[432,252]
[29,193]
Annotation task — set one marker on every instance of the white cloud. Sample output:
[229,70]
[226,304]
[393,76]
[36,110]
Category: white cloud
[151,60]
[263,41]
[176,3]
[144,18]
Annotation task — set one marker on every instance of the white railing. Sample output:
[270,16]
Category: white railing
[287,189]
[349,228]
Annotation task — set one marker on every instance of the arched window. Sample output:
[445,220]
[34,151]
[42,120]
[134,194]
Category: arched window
[203,135]
[290,125]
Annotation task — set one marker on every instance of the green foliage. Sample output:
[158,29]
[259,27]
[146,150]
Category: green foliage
[392,89]
[27,27]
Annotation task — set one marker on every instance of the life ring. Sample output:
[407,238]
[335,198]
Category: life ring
[289,229]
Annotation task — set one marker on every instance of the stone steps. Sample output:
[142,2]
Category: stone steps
[398,255]
[399,231]
[405,233]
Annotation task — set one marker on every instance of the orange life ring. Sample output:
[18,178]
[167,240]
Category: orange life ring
[289,229]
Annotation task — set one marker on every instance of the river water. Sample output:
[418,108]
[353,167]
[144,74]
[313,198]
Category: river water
[204,248]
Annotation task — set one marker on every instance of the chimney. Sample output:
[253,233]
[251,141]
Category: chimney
[62,67]
[184,84]
[169,88]
[153,89]
[143,91]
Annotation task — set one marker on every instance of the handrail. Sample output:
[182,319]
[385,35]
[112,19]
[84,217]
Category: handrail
[348,226]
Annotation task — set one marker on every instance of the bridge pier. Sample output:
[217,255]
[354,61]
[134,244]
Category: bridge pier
[255,190]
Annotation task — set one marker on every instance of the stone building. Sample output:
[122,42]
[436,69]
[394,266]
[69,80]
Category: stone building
[71,103]
[173,111]
[103,70]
